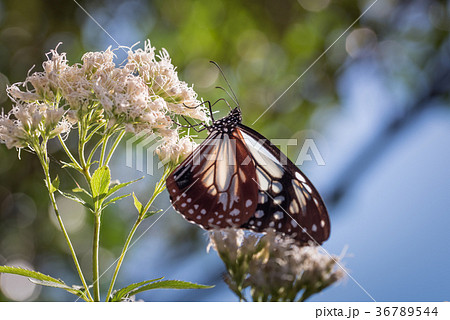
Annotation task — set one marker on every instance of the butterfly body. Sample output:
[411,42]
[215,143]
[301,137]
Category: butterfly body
[238,178]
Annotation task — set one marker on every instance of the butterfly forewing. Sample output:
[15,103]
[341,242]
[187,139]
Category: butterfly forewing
[287,200]
[213,186]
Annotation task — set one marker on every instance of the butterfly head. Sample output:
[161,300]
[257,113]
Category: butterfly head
[228,123]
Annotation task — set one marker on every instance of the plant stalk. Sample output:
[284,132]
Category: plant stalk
[45,165]
[95,260]
[160,186]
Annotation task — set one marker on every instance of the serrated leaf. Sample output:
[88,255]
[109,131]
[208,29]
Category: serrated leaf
[137,204]
[115,199]
[77,199]
[28,273]
[100,184]
[121,293]
[61,285]
[169,284]
[42,279]
[119,186]
[148,214]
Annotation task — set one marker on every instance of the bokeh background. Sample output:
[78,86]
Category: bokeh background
[376,104]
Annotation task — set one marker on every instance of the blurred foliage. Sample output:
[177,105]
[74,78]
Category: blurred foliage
[263,46]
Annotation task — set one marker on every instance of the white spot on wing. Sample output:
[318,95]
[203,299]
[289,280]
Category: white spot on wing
[277,187]
[278,200]
[299,176]
[278,215]
[234,212]
[248,203]
[259,214]
[316,202]
[307,187]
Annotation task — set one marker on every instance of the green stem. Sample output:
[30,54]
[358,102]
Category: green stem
[69,154]
[45,165]
[122,256]
[114,146]
[95,261]
[160,186]
[81,145]
[91,134]
[104,145]
[91,155]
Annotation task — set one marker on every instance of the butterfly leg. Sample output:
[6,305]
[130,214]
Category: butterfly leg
[190,125]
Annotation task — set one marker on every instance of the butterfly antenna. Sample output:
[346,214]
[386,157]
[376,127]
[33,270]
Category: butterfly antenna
[228,84]
[228,96]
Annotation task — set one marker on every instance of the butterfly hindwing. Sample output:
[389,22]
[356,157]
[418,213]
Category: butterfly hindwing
[212,187]
[287,200]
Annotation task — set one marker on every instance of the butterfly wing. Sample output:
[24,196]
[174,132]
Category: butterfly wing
[287,200]
[213,186]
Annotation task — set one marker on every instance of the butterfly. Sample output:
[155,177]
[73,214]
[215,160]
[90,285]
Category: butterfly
[238,178]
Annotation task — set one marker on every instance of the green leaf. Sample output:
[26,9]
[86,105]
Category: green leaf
[148,214]
[100,184]
[77,199]
[170,284]
[119,186]
[42,279]
[28,273]
[115,200]
[71,165]
[137,204]
[121,293]
[82,190]
[55,185]
[62,285]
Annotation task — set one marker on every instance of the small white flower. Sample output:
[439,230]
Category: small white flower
[175,149]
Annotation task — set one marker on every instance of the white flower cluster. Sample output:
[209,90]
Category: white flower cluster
[273,267]
[142,94]
[175,149]
[27,122]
